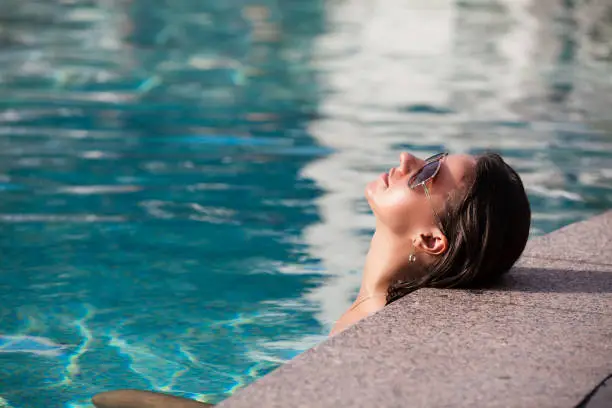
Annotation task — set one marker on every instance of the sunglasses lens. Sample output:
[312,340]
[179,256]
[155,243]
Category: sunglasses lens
[424,174]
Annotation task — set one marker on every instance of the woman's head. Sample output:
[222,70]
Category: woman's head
[466,226]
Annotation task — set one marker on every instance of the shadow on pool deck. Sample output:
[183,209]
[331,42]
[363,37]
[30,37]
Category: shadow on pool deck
[540,280]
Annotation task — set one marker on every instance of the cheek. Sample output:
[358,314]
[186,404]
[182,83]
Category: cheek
[394,206]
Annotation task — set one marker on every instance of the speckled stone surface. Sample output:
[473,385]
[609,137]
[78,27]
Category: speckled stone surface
[543,338]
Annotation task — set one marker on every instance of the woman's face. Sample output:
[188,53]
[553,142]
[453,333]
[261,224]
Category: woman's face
[403,210]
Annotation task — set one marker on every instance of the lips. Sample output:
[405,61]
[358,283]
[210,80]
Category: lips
[385,179]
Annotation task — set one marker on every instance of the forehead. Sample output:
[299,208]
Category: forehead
[455,170]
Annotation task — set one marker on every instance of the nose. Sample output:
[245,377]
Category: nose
[408,162]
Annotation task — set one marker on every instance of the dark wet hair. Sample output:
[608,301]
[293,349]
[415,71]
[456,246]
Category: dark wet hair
[486,227]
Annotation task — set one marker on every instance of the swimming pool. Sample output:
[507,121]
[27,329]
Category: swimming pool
[180,182]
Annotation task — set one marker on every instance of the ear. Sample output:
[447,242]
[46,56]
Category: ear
[432,242]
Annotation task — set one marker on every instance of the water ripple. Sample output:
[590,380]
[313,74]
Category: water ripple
[58,218]
[90,190]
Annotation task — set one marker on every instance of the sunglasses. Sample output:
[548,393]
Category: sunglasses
[429,170]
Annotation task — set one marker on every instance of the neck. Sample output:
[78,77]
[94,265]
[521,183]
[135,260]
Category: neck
[386,260]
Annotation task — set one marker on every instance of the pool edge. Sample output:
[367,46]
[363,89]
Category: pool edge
[538,341]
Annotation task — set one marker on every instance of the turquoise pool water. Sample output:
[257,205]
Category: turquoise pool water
[180,181]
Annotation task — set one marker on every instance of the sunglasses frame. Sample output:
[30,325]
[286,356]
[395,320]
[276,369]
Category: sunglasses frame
[433,159]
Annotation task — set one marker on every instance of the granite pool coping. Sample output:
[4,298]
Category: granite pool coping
[541,339]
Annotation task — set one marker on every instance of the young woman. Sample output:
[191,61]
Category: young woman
[447,221]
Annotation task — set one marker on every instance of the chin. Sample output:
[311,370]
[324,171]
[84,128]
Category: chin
[372,205]
[371,189]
